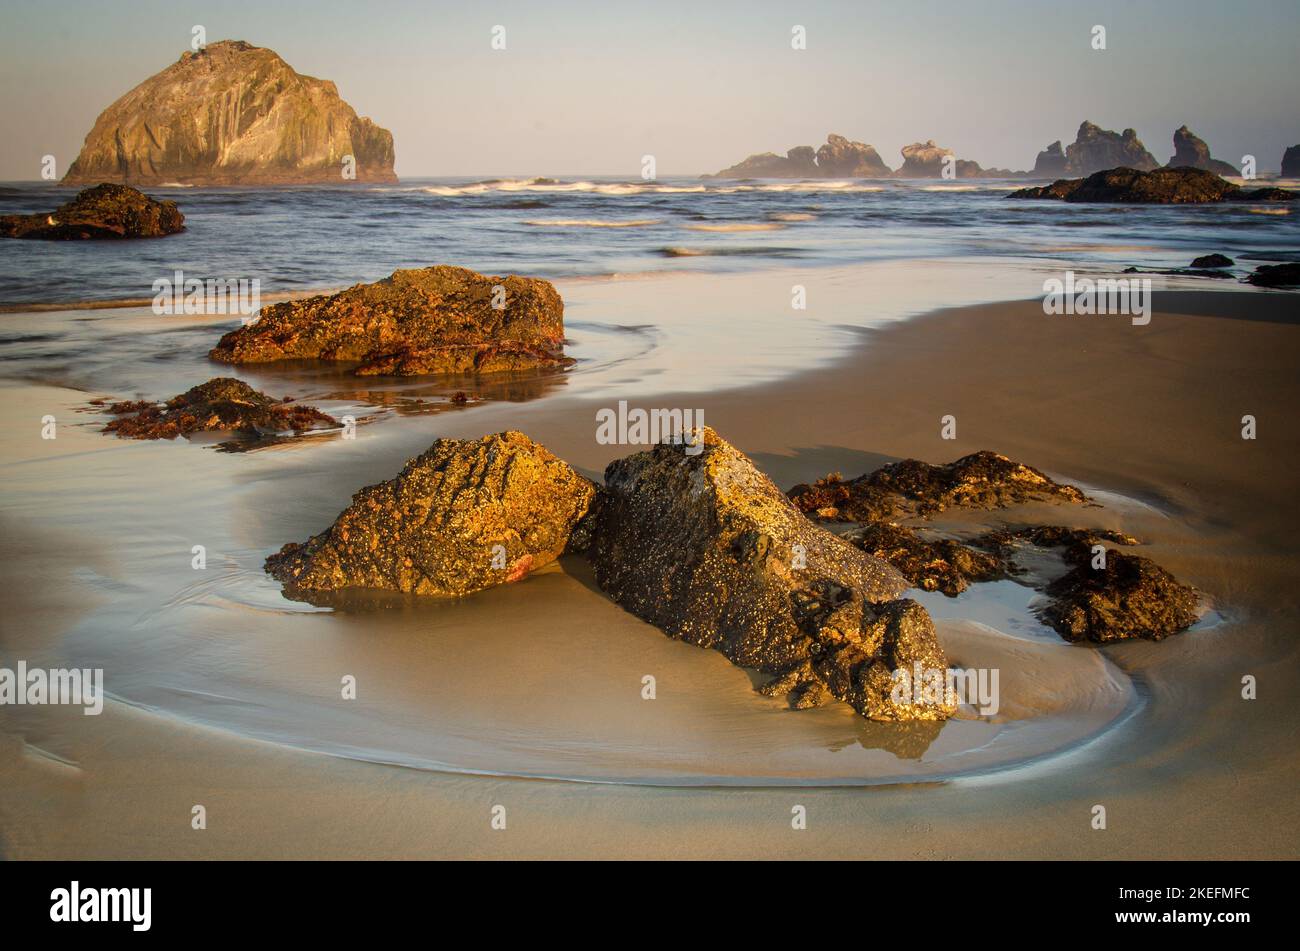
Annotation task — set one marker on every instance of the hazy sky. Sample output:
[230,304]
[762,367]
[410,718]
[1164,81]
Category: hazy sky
[588,88]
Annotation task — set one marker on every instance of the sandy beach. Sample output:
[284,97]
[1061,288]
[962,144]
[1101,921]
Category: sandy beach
[541,679]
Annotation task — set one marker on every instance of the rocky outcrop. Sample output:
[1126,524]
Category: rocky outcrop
[434,320]
[1291,162]
[1126,597]
[222,404]
[695,540]
[232,114]
[461,517]
[838,158]
[981,480]
[1212,261]
[1051,162]
[924,160]
[1191,152]
[105,211]
[1095,149]
[1163,186]
[1275,275]
[942,564]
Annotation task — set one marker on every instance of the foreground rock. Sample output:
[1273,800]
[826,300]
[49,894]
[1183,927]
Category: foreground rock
[232,114]
[219,405]
[1128,597]
[705,547]
[105,211]
[435,320]
[461,517]
[1191,152]
[1162,186]
[1276,275]
[981,480]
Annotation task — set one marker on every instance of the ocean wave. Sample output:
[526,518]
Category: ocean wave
[739,226]
[682,252]
[549,185]
[792,216]
[593,223]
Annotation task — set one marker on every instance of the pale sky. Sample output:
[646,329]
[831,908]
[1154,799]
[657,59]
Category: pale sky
[587,88]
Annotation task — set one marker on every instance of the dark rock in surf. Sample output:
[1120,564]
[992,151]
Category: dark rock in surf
[1162,186]
[106,211]
[1276,275]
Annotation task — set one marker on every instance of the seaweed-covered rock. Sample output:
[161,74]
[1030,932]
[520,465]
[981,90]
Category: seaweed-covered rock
[943,565]
[1130,596]
[981,480]
[697,541]
[1161,186]
[1276,275]
[221,404]
[105,211]
[463,516]
[427,321]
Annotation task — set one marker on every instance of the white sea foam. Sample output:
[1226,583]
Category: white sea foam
[593,223]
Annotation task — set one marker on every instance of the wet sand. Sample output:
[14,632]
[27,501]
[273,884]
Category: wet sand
[1185,769]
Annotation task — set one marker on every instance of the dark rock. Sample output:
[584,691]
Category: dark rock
[232,113]
[799,162]
[1291,162]
[840,158]
[433,320]
[1212,261]
[105,211]
[1161,186]
[1191,152]
[944,565]
[1276,275]
[221,404]
[463,516]
[694,539]
[981,480]
[1129,597]
[1095,149]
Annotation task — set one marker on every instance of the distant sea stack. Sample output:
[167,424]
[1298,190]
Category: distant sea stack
[232,114]
[1191,152]
[1094,150]
[1291,162]
[838,158]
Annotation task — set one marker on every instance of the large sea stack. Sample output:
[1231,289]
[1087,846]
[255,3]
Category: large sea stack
[232,114]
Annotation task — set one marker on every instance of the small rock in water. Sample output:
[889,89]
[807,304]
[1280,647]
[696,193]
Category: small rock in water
[105,211]
[221,404]
[1276,275]
[981,480]
[945,565]
[1212,261]
[463,516]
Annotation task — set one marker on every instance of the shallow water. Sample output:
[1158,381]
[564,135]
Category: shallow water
[312,238]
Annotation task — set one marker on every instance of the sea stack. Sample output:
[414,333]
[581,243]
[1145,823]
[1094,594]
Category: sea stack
[233,114]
